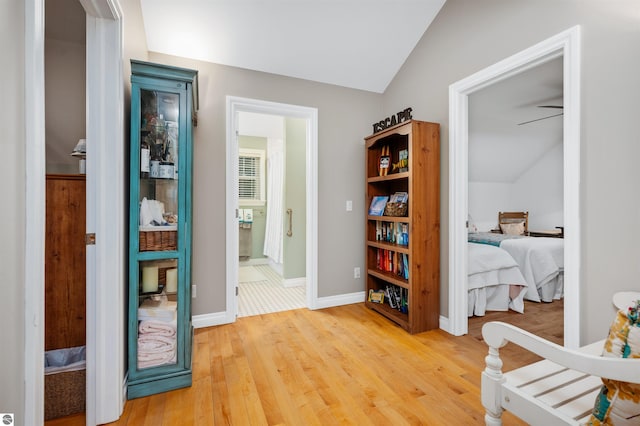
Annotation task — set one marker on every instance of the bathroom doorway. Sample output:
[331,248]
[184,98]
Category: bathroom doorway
[271,239]
[271,213]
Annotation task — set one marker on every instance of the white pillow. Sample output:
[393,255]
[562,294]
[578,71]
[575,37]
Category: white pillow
[516,228]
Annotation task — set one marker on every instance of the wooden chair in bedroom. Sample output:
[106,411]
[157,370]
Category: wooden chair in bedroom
[514,217]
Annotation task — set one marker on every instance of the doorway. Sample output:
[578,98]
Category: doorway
[565,45]
[289,214]
[105,128]
[271,213]
[515,165]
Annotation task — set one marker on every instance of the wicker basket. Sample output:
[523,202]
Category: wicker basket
[64,394]
[396,209]
[158,240]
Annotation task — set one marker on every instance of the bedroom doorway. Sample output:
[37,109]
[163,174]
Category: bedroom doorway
[565,46]
[515,165]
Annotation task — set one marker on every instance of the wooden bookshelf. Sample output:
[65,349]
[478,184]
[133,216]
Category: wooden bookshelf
[421,181]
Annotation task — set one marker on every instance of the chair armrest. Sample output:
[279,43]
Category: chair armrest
[498,334]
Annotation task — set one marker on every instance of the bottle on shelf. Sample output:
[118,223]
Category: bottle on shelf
[145,157]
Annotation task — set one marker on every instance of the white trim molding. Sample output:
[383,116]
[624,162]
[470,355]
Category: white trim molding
[340,299]
[106,209]
[35,166]
[234,106]
[105,285]
[209,320]
[567,45]
[294,282]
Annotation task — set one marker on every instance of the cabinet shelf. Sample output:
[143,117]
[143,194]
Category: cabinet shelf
[399,248]
[403,219]
[394,315]
[387,178]
[413,148]
[389,277]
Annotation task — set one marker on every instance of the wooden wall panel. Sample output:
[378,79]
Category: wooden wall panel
[65,262]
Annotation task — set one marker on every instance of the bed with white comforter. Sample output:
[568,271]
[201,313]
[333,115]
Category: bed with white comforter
[540,259]
[495,282]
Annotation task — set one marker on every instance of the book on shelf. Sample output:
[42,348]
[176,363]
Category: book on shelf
[405,266]
[378,203]
[399,197]
[376,296]
[392,261]
[396,297]
[392,232]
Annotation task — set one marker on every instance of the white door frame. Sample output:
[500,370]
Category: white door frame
[234,106]
[567,45]
[105,315]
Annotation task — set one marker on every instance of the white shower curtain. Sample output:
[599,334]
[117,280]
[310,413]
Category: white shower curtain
[275,189]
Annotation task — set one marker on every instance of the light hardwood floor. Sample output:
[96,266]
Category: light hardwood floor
[343,365]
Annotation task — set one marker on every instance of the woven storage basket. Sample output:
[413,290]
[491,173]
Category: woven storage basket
[64,394]
[158,240]
[395,209]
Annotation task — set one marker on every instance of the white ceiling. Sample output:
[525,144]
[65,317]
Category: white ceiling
[352,43]
[494,114]
[359,44]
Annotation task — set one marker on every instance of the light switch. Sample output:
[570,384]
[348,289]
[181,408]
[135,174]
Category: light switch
[349,205]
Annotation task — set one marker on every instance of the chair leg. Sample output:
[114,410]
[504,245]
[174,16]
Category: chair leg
[491,384]
[492,420]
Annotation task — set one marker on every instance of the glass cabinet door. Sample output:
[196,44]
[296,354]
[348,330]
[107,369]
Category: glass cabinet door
[158,198]
[158,331]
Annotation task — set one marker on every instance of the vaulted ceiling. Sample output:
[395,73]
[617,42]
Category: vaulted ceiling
[352,43]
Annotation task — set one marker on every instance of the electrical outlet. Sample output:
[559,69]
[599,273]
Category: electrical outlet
[193,291]
[356,272]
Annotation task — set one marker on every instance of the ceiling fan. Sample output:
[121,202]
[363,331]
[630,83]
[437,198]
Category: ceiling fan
[561,107]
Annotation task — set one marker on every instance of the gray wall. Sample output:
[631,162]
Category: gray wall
[65,83]
[469,35]
[294,247]
[345,117]
[12,214]
[537,190]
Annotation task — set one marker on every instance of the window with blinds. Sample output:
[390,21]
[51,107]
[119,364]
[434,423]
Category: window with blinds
[251,176]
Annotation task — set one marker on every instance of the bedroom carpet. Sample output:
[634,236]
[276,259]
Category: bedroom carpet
[261,292]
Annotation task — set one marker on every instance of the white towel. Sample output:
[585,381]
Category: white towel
[157,328]
[156,350]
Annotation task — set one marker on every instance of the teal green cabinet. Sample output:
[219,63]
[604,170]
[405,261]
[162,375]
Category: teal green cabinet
[160,334]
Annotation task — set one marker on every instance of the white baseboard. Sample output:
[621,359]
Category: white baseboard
[295,282]
[444,324]
[125,381]
[256,261]
[209,320]
[339,300]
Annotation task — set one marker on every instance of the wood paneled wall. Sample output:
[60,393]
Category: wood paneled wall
[65,262]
